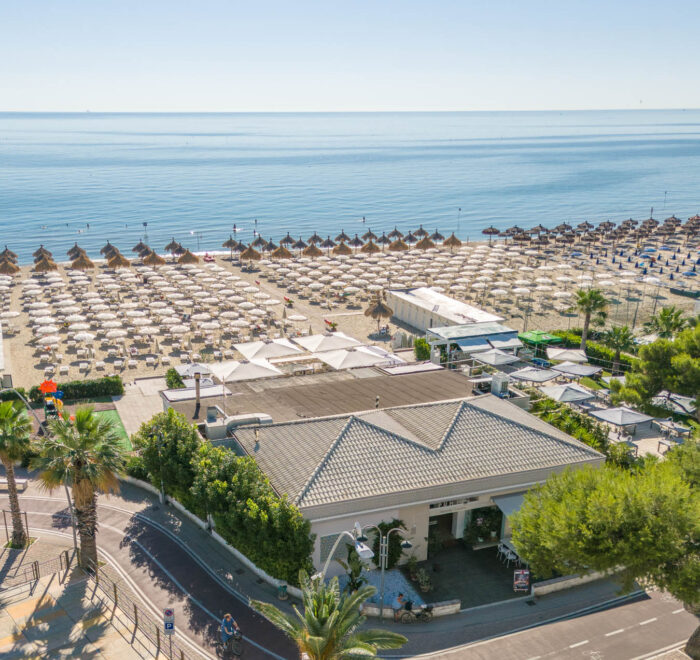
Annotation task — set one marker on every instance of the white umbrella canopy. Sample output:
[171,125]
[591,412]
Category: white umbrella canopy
[141,322]
[99,307]
[79,326]
[232,370]
[9,315]
[50,340]
[169,320]
[75,318]
[83,336]
[110,325]
[246,305]
[44,320]
[105,316]
[567,354]
[240,323]
[267,349]
[38,305]
[71,310]
[116,334]
[46,330]
[136,313]
[179,329]
[297,318]
[201,316]
[272,302]
[210,325]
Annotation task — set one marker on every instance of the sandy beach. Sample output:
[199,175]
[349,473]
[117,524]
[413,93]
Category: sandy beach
[220,302]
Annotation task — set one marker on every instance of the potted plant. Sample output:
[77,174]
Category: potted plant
[424,580]
[412,566]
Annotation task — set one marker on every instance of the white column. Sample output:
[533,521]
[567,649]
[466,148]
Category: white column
[458,524]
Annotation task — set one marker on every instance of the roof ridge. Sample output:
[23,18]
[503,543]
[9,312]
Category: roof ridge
[576,443]
[451,425]
[395,435]
[323,462]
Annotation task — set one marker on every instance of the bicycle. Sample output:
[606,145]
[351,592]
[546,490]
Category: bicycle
[422,615]
[232,647]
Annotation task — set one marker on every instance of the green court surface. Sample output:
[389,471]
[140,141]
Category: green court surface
[113,416]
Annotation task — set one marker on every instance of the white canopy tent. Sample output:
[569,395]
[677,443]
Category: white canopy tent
[232,370]
[360,356]
[566,354]
[495,357]
[264,350]
[330,341]
[568,393]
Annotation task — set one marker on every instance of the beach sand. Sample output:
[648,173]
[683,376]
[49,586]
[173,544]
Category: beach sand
[631,303]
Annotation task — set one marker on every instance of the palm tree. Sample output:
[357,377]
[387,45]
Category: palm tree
[84,453]
[328,627]
[619,339]
[590,302]
[667,323]
[15,429]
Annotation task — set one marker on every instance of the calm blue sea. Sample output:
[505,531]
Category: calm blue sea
[192,176]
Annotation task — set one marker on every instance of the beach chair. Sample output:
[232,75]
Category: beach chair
[165,359]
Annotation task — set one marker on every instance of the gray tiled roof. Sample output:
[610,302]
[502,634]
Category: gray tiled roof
[349,457]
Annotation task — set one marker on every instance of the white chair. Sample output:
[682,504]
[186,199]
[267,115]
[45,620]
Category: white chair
[512,557]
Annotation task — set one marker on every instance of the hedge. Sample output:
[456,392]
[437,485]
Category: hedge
[10,395]
[596,352]
[173,379]
[84,389]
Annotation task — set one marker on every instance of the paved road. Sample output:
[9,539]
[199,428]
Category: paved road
[158,568]
[649,625]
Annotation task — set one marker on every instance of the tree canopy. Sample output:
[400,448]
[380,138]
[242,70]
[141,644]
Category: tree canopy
[639,526]
[672,365]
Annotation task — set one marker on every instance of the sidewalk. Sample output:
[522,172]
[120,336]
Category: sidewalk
[65,620]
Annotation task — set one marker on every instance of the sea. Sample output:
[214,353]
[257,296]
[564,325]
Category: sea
[92,177]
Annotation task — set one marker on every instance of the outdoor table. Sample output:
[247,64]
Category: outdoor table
[670,427]
[669,444]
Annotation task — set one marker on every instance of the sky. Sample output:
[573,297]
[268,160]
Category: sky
[379,55]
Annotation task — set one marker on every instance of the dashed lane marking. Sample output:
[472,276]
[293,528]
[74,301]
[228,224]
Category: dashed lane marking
[644,623]
[573,646]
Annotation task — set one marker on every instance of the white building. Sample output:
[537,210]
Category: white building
[424,308]
[427,464]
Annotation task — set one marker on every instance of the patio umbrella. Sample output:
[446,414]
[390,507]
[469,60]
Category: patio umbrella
[370,248]
[188,258]
[259,242]
[83,336]
[342,249]
[312,251]
[410,238]
[342,237]
[490,231]
[140,247]
[44,265]
[250,254]
[280,253]
[369,235]
[355,242]
[287,240]
[314,238]
[7,267]
[452,242]
[230,244]
[420,232]
[83,262]
[379,310]
[42,253]
[395,234]
[74,252]
[328,243]
[153,259]
[8,254]
[398,246]
[117,260]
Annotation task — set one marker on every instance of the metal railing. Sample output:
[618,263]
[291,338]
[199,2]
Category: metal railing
[167,646]
[36,570]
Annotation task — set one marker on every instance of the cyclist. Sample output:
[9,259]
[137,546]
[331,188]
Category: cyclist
[398,605]
[229,627]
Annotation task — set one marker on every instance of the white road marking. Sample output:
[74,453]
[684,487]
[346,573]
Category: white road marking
[535,657]
[573,646]
[679,610]
[653,654]
[615,632]
[644,623]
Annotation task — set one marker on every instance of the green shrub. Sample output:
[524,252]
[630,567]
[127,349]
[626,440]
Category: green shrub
[83,389]
[395,549]
[9,395]
[136,467]
[596,352]
[421,349]
[173,379]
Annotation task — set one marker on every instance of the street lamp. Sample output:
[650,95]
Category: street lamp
[383,553]
[362,549]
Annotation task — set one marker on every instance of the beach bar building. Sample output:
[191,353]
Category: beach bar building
[424,308]
[435,466]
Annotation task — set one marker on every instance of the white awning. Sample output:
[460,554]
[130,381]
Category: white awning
[473,344]
[509,504]
[514,342]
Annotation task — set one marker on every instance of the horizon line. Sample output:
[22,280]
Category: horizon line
[283,112]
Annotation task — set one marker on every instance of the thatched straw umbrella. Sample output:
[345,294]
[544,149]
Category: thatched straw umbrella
[425,243]
[369,235]
[188,258]
[328,244]
[300,244]
[490,232]
[117,260]
[312,251]
[379,310]
[355,242]
[452,242]
[74,252]
[7,267]
[342,237]
[108,250]
[8,254]
[172,246]
[153,259]
[250,254]
[585,226]
[395,234]
[436,236]
[315,238]
[383,240]
[420,232]
[42,253]
[269,246]
[370,248]
[230,244]
[410,238]
[44,265]
[140,247]
[259,242]
[342,249]
[398,246]
[287,240]
[83,262]
[522,238]
[280,253]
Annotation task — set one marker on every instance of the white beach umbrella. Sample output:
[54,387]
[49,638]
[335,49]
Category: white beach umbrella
[169,320]
[136,313]
[179,329]
[83,336]
[210,325]
[105,316]
[9,315]
[116,334]
[79,326]
[141,322]
[110,325]
[44,320]
[75,318]
[50,340]
[45,330]
[271,302]
[246,305]
[201,316]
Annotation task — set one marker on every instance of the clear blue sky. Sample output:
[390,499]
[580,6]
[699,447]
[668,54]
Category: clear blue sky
[225,55]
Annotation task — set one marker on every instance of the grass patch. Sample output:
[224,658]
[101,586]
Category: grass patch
[113,416]
[10,546]
[590,383]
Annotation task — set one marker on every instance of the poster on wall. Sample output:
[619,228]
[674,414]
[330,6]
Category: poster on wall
[521,580]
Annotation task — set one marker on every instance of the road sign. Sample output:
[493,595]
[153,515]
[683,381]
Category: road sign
[169,627]
[169,621]
[168,614]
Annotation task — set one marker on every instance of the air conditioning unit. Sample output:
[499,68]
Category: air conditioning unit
[499,384]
